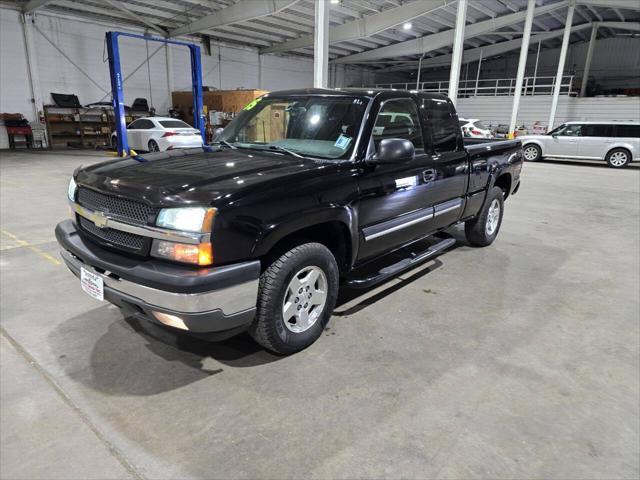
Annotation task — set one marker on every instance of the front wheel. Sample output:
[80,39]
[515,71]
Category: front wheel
[296,297]
[532,152]
[483,230]
[618,158]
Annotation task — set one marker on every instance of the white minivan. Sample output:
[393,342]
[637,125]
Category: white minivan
[617,143]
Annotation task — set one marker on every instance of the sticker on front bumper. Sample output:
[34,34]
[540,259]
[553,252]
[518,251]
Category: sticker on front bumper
[92,284]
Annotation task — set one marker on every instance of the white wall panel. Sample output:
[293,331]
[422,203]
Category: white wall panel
[496,110]
[15,94]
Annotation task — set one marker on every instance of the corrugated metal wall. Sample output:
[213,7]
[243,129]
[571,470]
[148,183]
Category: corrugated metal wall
[496,110]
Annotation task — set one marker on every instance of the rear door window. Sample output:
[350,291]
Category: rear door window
[445,130]
[136,125]
[142,124]
[597,130]
[628,131]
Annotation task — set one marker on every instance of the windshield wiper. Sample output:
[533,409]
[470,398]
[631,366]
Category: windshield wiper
[226,144]
[282,149]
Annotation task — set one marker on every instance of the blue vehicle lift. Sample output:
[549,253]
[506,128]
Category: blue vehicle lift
[117,84]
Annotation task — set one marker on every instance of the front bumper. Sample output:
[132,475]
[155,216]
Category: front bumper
[201,301]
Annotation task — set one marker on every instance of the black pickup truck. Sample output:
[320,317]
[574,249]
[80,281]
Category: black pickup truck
[301,193]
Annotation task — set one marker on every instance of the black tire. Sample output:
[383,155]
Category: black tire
[114,142]
[476,229]
[153,146]
[268,328]
[618,158]
[535,152]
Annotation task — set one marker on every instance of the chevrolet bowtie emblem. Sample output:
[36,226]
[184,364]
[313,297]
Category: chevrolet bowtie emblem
[100,220]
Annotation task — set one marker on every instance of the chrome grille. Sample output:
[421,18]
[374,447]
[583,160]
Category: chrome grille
[117,238]
[128,210]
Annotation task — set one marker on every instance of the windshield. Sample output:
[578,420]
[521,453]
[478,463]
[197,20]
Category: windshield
[315,126]
[479,125]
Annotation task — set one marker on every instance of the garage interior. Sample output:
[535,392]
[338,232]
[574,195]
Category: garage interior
[520,360]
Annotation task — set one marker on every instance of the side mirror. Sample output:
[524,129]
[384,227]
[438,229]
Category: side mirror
[555,135]
[394,150]
[217,132]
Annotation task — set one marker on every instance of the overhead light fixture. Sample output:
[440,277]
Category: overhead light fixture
[335,1]
[407,26]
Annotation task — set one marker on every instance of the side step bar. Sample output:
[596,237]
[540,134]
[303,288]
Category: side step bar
[402,265]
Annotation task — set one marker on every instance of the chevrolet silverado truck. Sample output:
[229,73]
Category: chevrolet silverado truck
[300,194]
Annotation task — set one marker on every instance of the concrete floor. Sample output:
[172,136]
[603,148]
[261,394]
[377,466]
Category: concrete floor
[520,360]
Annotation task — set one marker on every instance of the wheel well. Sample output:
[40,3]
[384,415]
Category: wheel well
[333,235]
[504,182]
[617,148]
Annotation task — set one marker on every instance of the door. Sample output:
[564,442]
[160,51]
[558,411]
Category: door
[395,199]
[595,140]
[145,132]
[449,162]
[133,133]
[563,141]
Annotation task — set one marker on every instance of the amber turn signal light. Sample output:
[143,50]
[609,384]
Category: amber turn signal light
[200,254]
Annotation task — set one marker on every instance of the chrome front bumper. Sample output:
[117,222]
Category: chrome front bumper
[230,303]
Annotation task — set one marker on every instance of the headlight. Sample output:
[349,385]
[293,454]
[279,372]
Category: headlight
[71,191]
[188,219]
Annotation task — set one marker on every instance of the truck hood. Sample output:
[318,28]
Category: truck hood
[194,176]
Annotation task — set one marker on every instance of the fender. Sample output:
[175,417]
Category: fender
[294,222]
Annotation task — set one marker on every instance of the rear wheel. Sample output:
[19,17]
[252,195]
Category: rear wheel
[483,230]
[532,152]
[153,146]
[618,158]
[296,298]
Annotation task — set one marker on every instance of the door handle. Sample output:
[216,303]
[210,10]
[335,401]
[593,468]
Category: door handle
[428,175]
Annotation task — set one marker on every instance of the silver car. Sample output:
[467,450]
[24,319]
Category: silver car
[617,143]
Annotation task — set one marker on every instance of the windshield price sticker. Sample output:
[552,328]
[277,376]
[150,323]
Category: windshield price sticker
[343,142]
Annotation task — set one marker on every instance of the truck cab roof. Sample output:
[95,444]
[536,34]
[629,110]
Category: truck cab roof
[383,93]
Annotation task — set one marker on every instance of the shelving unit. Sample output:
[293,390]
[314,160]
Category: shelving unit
[85,127]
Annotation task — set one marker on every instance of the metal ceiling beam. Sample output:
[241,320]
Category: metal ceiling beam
[136,17]
[35,4]
[630,4]
[429,43]
[624,25]
[239,12]
[366,26]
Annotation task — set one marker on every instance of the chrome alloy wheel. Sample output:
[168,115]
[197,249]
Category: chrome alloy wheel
[305,299]
[618,159]
[493,217]
[530,153]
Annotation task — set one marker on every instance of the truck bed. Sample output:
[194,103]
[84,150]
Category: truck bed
[478,146]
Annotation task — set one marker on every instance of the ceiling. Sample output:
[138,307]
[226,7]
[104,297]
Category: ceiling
[365,25]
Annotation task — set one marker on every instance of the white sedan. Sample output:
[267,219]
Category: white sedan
[157,134]
[473,128]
